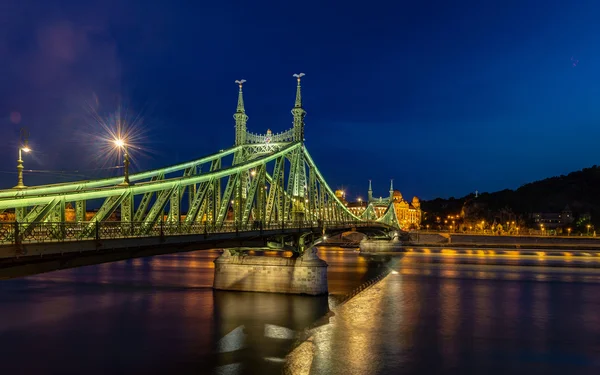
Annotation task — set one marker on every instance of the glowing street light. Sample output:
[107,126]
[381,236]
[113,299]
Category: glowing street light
[120,143]
[25,149]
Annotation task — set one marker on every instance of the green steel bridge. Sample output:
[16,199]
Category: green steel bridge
[266,190]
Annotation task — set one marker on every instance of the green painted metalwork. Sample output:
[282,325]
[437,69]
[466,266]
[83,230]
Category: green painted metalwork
[156,212]
[240,117]
[277,175]
[198,202]
[127,206]
[389,217]
[68,187]
[298,112]
[369,213]
[258,189]
[143,207]
[80,211]
[175,206]
[252,194]
[225,204]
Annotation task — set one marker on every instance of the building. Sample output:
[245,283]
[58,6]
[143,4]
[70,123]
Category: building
[552,220]
[409,214]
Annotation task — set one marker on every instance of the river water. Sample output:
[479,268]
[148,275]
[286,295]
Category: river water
[159,315]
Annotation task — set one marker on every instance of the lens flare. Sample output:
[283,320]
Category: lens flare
[114,133]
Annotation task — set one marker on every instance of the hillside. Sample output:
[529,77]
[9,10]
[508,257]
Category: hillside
[579,190]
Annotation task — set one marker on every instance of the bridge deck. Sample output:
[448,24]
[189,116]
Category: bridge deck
[39,252]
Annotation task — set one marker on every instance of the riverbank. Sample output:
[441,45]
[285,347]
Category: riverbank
[512,242]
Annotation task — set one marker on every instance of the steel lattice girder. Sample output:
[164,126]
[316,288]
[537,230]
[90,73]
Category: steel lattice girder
[144,187]
[322,201]
[66,187]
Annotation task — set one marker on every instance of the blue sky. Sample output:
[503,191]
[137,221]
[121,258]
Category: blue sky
[443,97]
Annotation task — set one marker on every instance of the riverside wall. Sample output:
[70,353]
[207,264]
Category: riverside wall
[453,239]
[306,274]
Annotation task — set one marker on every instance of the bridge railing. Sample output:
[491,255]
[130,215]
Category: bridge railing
[22,233]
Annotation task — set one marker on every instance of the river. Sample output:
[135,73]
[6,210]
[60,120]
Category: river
[160,315]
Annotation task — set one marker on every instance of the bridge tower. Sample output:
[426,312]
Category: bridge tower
[240,117]
[298,112]
[370,193]
[298,170]
[391,191]
[240,188]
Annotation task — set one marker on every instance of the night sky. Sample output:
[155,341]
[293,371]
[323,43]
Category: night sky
[445,97]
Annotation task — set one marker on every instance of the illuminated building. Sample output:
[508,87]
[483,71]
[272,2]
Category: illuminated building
[553,220]
[408,213]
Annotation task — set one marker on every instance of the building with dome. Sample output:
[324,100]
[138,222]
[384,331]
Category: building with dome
[408,213]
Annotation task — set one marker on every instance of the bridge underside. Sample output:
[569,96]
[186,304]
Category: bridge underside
[23,260]
[33,258]
[265,181]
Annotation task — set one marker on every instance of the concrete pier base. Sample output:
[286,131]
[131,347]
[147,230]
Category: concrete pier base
[306,274]
[380,246]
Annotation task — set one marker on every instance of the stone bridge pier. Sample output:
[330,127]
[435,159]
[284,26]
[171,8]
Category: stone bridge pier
[302,273]
[298,274]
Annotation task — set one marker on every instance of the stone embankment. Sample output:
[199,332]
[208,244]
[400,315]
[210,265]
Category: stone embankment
[478,240]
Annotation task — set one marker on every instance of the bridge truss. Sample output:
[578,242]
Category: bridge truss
[262,182]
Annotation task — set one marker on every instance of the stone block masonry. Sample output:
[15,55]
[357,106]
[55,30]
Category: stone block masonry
[297,275]
[380,246]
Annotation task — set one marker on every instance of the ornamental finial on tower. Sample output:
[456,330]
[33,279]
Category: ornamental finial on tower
[240,105]
[298,112]
[240,117]
[298,92]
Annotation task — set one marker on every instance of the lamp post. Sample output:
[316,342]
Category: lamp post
[25,149]
[121,144]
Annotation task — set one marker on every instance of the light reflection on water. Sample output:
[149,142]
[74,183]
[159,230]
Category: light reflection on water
[441,313]
[157,315]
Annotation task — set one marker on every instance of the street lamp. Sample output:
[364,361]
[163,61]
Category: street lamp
[25,149]
[588,229]
[121,144]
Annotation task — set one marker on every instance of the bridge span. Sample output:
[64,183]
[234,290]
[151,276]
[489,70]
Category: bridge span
[266,191]
[55,246]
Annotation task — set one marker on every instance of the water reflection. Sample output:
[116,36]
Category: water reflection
[437,314]
[447,316]
[258,329]
[158,315]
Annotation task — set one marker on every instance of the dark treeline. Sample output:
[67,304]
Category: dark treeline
[580,191]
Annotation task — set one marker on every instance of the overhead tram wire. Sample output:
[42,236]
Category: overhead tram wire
[66,173]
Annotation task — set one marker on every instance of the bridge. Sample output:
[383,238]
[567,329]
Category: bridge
[266,191]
